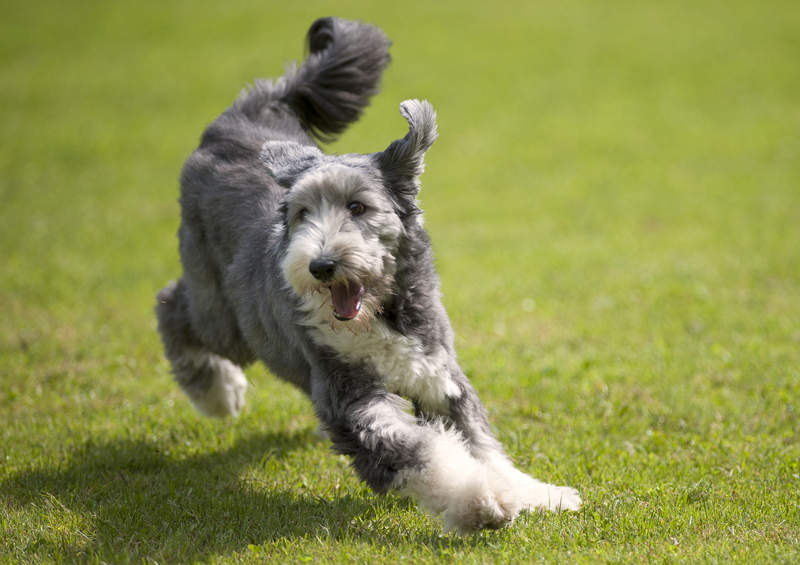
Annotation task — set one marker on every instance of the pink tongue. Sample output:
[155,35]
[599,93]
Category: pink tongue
[346,299]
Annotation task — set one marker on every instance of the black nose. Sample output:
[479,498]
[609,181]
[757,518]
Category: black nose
[322,269]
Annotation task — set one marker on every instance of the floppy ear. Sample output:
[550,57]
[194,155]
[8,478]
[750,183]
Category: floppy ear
[404,159]
[286,160]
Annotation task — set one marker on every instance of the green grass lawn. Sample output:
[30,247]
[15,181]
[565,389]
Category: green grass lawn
[615,207]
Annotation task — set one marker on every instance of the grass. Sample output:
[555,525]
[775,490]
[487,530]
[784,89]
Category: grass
[615,207]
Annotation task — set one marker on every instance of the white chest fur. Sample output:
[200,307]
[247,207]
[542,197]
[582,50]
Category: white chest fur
[401,361]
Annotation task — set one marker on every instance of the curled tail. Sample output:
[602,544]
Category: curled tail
[336,81]
[342,72]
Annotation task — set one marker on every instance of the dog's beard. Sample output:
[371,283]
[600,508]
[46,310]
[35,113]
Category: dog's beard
[350,301]
[321,305]
[361,284]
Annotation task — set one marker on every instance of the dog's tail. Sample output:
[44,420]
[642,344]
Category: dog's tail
[336,81]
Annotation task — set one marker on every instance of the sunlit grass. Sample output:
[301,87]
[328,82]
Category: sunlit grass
[615,211]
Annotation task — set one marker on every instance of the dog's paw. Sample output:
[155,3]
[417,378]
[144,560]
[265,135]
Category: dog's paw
[561,498]
[472,515]
[527,493]
[227,393]
[536,495]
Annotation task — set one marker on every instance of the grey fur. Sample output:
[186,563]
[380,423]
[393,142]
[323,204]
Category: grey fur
[259,200]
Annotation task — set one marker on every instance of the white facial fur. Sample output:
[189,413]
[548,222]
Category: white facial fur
[320,224]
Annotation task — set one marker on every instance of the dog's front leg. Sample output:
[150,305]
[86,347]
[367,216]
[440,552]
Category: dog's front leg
[513,486]
[392,450]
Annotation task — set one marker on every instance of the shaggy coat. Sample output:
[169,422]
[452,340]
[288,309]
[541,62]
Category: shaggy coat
[319,266]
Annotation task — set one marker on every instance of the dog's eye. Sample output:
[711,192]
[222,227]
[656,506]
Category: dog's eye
[356,208]
[301,214]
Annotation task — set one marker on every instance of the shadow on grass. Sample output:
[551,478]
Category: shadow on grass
[142,502]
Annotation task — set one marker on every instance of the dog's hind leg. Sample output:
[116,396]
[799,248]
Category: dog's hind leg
[214,384]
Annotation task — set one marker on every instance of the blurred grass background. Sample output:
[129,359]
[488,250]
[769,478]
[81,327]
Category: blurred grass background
[615,207]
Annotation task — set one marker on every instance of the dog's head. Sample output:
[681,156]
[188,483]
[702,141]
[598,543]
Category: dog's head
[344,218]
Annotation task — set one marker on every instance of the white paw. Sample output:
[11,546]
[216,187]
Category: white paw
[563,498]
[534,494]
[500,503]
[471,515]
[455,485]
[528,493]
[227,394]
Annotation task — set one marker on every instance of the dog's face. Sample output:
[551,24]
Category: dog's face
[343,234]
[343,219]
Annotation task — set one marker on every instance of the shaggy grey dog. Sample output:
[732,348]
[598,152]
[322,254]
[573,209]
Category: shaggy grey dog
[319,266]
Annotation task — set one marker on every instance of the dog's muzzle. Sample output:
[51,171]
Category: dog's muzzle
[346,295]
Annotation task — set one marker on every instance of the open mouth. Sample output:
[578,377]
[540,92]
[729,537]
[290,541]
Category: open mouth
[346,298]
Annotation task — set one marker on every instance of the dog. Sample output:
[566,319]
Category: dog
[319,266]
